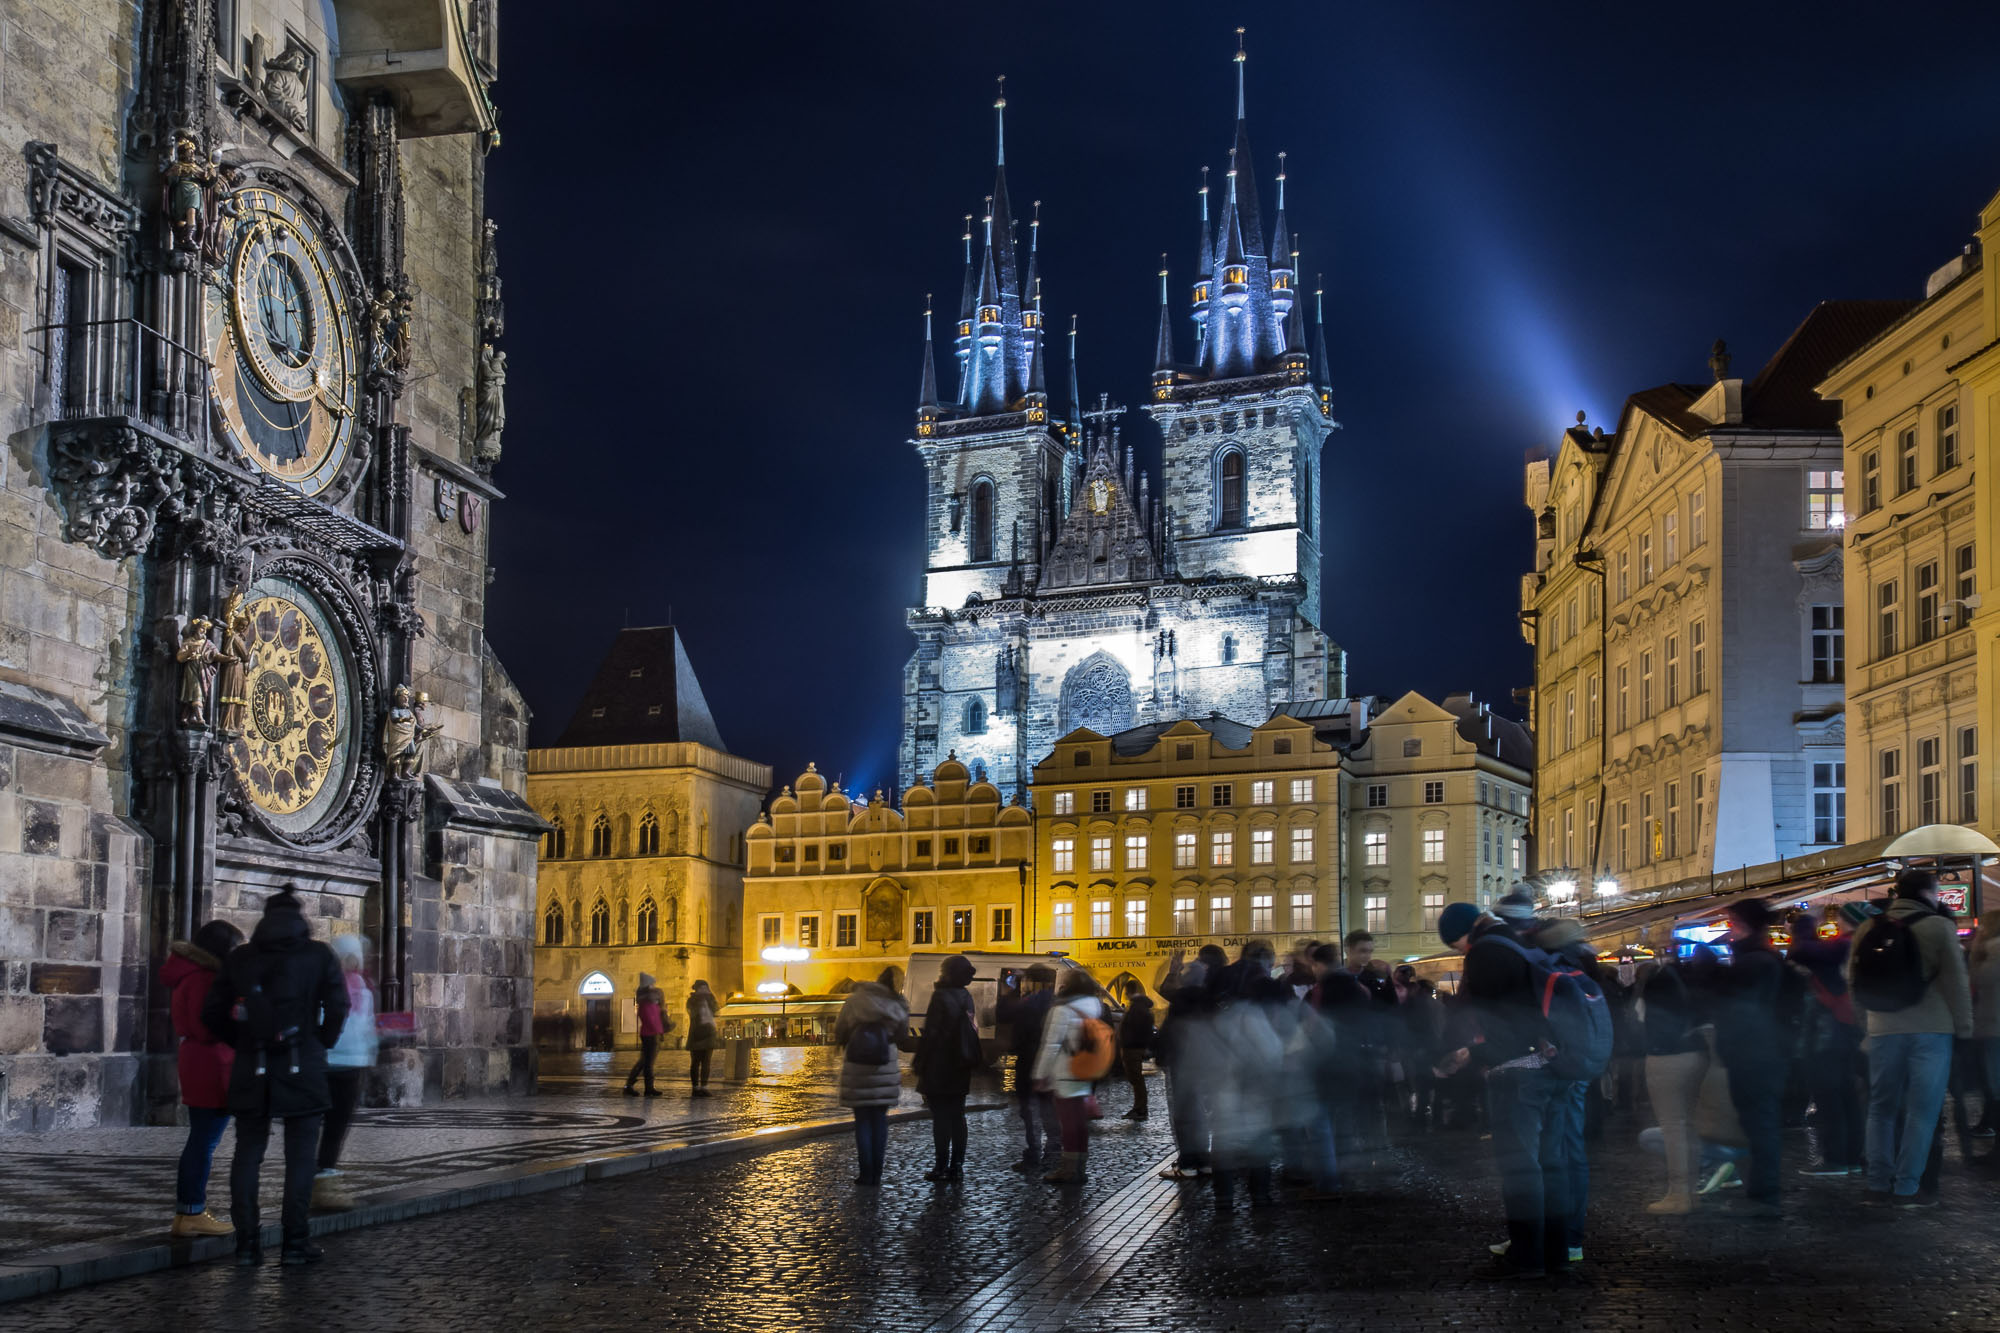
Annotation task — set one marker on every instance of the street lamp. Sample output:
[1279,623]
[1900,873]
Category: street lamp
[1607,887]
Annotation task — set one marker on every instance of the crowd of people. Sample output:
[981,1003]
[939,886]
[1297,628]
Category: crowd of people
[1291,1074]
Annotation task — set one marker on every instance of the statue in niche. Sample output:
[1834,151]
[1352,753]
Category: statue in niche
[280,79]
[492,310]
[188,179]
[388,320]
[491,400]
[404,733]
[232,693]
[197,655]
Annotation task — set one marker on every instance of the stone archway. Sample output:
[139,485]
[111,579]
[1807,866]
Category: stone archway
[1097,693]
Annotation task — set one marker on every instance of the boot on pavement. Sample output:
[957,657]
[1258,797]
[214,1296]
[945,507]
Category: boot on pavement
[1070,1172]
[189,1225]
[330,1195]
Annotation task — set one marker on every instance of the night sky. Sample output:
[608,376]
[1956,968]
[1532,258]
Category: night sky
[718,229]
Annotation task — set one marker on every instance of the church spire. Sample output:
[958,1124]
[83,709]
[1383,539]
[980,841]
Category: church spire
[1075,395]
[1322,377]
[1243,330]
[962,343]
[1204,272]
[927,389]
[1163,346]
[1284,271]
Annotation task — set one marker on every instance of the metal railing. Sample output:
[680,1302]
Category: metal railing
[125,368]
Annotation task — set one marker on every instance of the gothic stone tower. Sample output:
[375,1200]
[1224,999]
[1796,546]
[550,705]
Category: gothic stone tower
[252,418]
[1060,591]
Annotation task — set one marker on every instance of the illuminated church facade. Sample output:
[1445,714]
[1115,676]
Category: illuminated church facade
[1063,587]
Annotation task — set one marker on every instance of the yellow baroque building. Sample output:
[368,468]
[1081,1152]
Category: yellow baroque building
[1918,406]
[859,884]
[642,865]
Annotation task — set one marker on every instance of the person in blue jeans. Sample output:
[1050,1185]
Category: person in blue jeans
[202,1060]
[1909,1044]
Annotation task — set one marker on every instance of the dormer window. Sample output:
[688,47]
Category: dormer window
[989,314]
[1201,292]
[1234,275]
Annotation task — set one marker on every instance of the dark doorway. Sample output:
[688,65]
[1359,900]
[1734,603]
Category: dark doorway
[597,1023]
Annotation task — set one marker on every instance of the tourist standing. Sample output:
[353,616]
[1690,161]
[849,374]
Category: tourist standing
[347,1063]
[281,1001]
[1906,971]
[1830,1043]
[1076,1050]
[704,1036]
[1135,1038]
[1749,1038]
[1498,1023]
[871,1024]
[947,1054]
[651,1002]
[1676,1062]
[202,1059]
[1023,1008]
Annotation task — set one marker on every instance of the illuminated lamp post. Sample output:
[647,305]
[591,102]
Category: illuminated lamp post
[1562,891]
[1607,887]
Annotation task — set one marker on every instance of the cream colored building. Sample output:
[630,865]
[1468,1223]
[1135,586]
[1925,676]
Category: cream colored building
[1688,622]
[860,884]
[1915,403]
[1437,812]
[642,866]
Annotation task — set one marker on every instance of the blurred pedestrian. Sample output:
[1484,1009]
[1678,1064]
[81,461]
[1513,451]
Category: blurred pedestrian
[1023,1008]
[202,1060]
[347,1063]
[1749,1037]
[654,1024]
[1077,1049]
[1830,1045]
[1135,1039]
[1188,988]
[948,1052]
[1985,976]
[704,1036]
[1906,971]
[872,1023]
[281,1000]
[1676,1061]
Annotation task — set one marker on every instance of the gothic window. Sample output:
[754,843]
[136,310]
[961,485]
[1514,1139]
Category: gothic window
[975,716]
[1229,488]
[552,925]
[982,520]
[555,845]
[1228,648]
[600,923]
[1097,693]
[1306,496]
[979,775]
[648,931]
[600,836]
[649,835]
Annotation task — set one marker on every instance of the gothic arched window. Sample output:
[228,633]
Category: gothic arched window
[982,520]
[556,844]
[600,836]
[975,716]
[552,925]
[649,835]
[1097,693]
[600,923]
[1307,516]
[1229,488]
[648,931]
[1229,648]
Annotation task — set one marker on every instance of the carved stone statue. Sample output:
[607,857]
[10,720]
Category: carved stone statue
[196,654]
[404,733]
[492,413]
[280,79]
[388,321]
[188,179]
[492,310]
[232,693]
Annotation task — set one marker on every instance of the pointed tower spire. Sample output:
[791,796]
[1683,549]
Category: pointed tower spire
[1243,332]
[1010,364]
[927,389]
[1322,377]
[1284,272]
[1163,346]
[1075,395]
[1203,274]
[962,342]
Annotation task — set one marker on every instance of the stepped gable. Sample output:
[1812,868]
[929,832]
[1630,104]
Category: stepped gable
[1103,540]
[644,693]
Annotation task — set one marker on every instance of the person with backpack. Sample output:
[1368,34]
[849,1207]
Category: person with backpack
[281,1002]
[704,1036]
[948,1052]
[1829,1044]
[1135,1038]
[202,1059]
[1078,1047]
[871,1025]
[347,1062]
[1907,973]
[1749,1040]
[651,1003]
[1563,938]
[1023,1008]
[1500,1024]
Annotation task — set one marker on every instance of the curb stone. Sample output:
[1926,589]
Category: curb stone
[36,1274]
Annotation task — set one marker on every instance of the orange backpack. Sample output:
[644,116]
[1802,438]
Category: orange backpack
[1094,1047]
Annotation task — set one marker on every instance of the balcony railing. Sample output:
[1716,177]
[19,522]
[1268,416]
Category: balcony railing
[125,368]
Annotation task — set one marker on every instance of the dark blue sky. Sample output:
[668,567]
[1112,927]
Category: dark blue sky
[717,232]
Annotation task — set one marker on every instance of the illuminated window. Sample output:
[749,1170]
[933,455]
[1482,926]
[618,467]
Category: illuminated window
[1135,917]
[1065,803]
[1100,853]
[1184,909]
[1062,852]
[1221,915]
[1222,846]
[846,929]
[1302,911]
[1434,846]
[1262,846]
[1375,912]
[1184,850]
[1302,846]
[1062,921]
[923,927]
[1260,912]
[1262,793]
[1302,789]
[809,932]
[1433,909]
[1135,798]
[1135,851]
[1375,848]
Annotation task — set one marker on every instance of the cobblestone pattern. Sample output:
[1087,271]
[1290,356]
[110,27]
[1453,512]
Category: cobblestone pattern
[786,1241]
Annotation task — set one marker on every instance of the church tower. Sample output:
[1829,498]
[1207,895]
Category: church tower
[1061,590]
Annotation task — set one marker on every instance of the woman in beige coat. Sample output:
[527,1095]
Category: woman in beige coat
[873,1021]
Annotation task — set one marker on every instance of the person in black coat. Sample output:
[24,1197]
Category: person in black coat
[1749,1038]
[280,1000]
[1135,1038]
[1023,1008]
[947,1053]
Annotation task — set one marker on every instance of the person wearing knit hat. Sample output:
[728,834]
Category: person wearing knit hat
[948,1053]
[1498,1024]
[1517,905]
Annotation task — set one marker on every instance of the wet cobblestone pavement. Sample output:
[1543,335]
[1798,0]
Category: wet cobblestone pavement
[785,1240]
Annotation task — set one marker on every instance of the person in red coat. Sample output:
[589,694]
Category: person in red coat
[203,1062]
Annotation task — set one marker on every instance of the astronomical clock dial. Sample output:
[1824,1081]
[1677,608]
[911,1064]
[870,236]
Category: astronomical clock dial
[280,343]
[292,754]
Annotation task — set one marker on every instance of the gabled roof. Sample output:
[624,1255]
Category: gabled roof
[644,693]
[1228,733]
[1783,396]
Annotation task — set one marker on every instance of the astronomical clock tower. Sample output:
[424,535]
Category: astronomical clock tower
[255,412]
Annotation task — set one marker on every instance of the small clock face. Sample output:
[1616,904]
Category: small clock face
[280,343]
[292,754]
